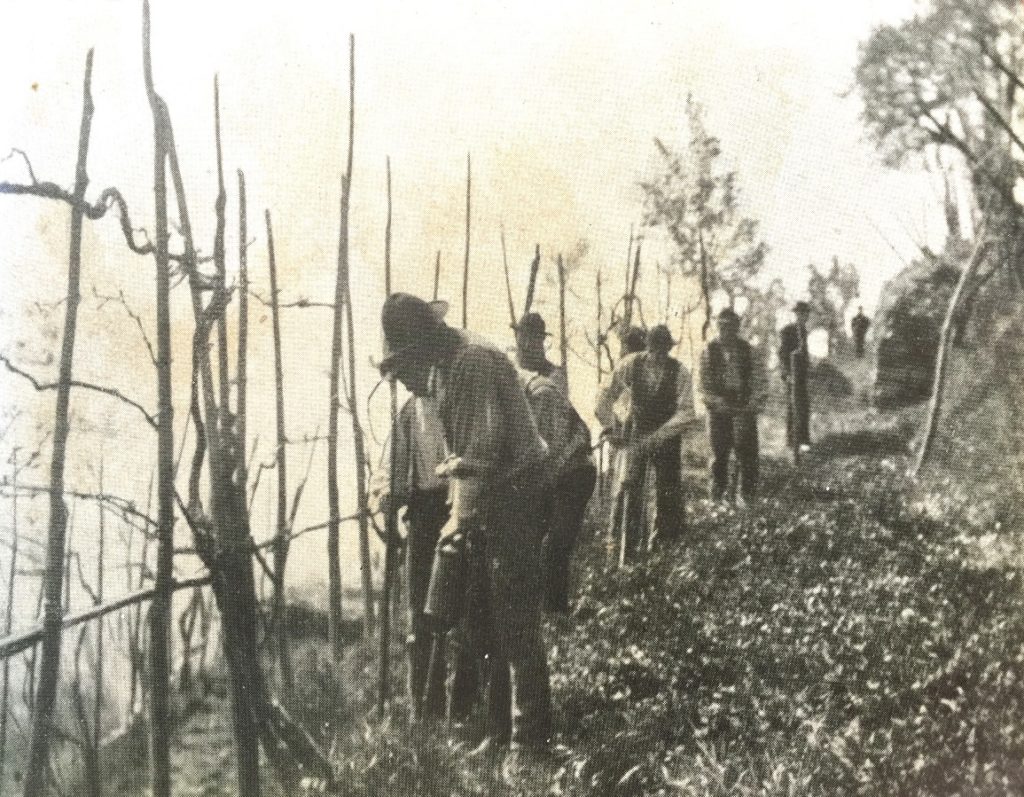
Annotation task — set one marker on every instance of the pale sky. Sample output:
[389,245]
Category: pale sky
[557,102]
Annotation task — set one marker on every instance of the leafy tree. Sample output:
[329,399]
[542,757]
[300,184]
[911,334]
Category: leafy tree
[696,202]
[949,80]
[830,296]
[760,318]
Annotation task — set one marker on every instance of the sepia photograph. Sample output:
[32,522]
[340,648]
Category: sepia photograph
[445,399]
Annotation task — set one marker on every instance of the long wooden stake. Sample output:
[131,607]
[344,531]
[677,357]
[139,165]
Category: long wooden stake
[465,262]
[160,609]
[391,521]
[636,271]
[705,285]
[532,284]
[42,720]
[353,394]
[68,554]
[281,538]
[97,707]
[243,324]
[135,618]
[627,310]
[333,499]
[9,611]
[508,281]
[219,262]
[437,274]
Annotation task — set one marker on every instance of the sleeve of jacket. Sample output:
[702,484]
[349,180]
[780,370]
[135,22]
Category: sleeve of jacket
[475,419]
[621,380]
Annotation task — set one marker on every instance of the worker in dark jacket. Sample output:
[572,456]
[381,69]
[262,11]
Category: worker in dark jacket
[570,472]
[794,360]
[661,407]
[496,458]
[859,325]
[732,384]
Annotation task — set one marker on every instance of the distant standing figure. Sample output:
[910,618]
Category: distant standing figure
[733,386]
[661,407]
[859,325]
[794,360]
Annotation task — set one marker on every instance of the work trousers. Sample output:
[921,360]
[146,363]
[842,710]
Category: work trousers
[502,621]
[798,412]
[733,433]
[427,513]
[563,520]
[670,507]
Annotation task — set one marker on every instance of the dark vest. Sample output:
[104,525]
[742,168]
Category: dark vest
[715,378]
[654,404]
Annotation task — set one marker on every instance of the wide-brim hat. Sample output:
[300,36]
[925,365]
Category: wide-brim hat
[532,324]
[410,325]
[802,306]
[659,336]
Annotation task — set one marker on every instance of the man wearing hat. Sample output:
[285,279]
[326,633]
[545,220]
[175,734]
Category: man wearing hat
[859,325]
[495,458]
[570,473]
[531,336]
[794,360]
[661,407]
[418,446]
[733,387]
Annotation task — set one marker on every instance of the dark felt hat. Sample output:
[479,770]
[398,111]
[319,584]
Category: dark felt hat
[659,337]
[532,324]
[410,325]
[802,307]
[728,314]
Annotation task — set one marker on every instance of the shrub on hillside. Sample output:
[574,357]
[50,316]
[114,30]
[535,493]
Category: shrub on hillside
[836,639]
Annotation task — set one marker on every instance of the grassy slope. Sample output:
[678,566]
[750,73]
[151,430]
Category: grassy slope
[852,632]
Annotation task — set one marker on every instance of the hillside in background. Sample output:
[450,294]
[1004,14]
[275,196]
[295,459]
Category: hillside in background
[854,630]
[981,439]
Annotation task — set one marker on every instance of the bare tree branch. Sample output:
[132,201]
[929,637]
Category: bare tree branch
[28,164]
[82,579]
[120,298]
[998,118]
[115,502]
[302,302]
[41,386]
